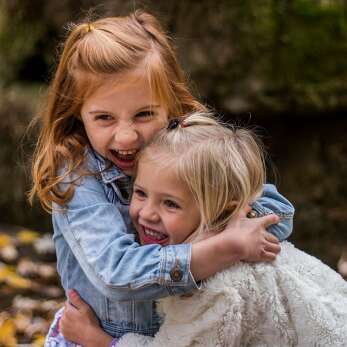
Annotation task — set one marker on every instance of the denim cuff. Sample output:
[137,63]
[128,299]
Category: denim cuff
[262,211]
[175,271]
[283,229]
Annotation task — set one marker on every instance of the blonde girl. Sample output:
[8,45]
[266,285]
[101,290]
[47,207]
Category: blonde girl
[117,84]
[203,174]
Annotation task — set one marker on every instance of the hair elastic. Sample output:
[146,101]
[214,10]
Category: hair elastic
[173,124]
[90,27]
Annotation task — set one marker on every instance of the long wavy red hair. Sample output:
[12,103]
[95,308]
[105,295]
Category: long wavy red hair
[92,52]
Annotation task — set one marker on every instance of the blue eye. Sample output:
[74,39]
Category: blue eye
[103,117]
[171,204]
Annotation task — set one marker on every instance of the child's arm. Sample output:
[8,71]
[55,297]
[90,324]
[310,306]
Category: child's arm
[270,202]
[121,269]
[243,239]
[80,324]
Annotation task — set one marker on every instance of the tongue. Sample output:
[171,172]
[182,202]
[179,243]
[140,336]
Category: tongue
[124,157]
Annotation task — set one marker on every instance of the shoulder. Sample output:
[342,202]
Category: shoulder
[86,181]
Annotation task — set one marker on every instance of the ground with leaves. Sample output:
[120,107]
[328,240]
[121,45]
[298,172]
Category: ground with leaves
[29,286]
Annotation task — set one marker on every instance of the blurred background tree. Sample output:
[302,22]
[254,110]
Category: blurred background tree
[280,64]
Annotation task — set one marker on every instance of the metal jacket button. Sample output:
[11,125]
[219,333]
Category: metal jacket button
[176,272]
[252,214]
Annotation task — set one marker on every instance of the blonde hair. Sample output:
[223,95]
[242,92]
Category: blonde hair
[92,52]
[223,166]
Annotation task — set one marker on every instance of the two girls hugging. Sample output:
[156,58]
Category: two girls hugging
[151,197]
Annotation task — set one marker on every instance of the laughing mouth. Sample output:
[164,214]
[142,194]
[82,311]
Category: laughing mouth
[124,155]
[153,236]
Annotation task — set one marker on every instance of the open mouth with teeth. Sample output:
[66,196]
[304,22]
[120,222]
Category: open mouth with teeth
[150,236]
[124,159]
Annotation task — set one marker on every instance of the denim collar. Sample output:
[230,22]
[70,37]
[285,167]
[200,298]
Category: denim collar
[108,173]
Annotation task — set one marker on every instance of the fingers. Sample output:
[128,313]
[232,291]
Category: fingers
[78,303]
[269,220]
[268,256]
[69,310]
[75,300]
[270,250]
[271,238]
[274,248]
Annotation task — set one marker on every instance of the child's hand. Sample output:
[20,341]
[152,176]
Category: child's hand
[242,239]
[80,324]
[250,238]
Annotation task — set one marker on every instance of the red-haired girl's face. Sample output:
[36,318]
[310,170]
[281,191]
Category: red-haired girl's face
[120,117]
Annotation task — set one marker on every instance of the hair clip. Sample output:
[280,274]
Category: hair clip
[90,27]
[173,124]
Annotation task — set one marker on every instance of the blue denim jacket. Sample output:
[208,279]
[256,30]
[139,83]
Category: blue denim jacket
[98,255]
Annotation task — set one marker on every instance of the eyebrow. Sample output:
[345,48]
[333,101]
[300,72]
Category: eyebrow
[148,107]
[138,110]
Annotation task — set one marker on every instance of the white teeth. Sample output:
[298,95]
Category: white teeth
[128,152]
[156,235]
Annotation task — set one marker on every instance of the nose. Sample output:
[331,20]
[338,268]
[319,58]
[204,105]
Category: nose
[149,213]
[125,136]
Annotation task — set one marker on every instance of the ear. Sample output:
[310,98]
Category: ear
[229,209]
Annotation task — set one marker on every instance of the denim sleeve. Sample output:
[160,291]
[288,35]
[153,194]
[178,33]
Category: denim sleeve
[272,201]
[119,267]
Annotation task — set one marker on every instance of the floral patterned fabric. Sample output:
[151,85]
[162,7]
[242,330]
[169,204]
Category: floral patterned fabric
[54,338]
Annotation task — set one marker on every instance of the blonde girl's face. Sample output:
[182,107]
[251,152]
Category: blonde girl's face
[162,209]
[120,117]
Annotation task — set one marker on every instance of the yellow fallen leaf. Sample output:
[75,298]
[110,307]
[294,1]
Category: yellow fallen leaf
[39,341]
[5,270]
[27,236]
[8,275]
[5,240]
[18,282]
[8,333]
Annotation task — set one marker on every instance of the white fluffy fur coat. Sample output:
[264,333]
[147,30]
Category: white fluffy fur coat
[295,301]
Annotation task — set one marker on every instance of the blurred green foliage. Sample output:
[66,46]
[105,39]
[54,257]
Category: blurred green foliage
[269,55]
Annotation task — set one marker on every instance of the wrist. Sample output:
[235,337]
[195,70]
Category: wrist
[214,254]
[229,249]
